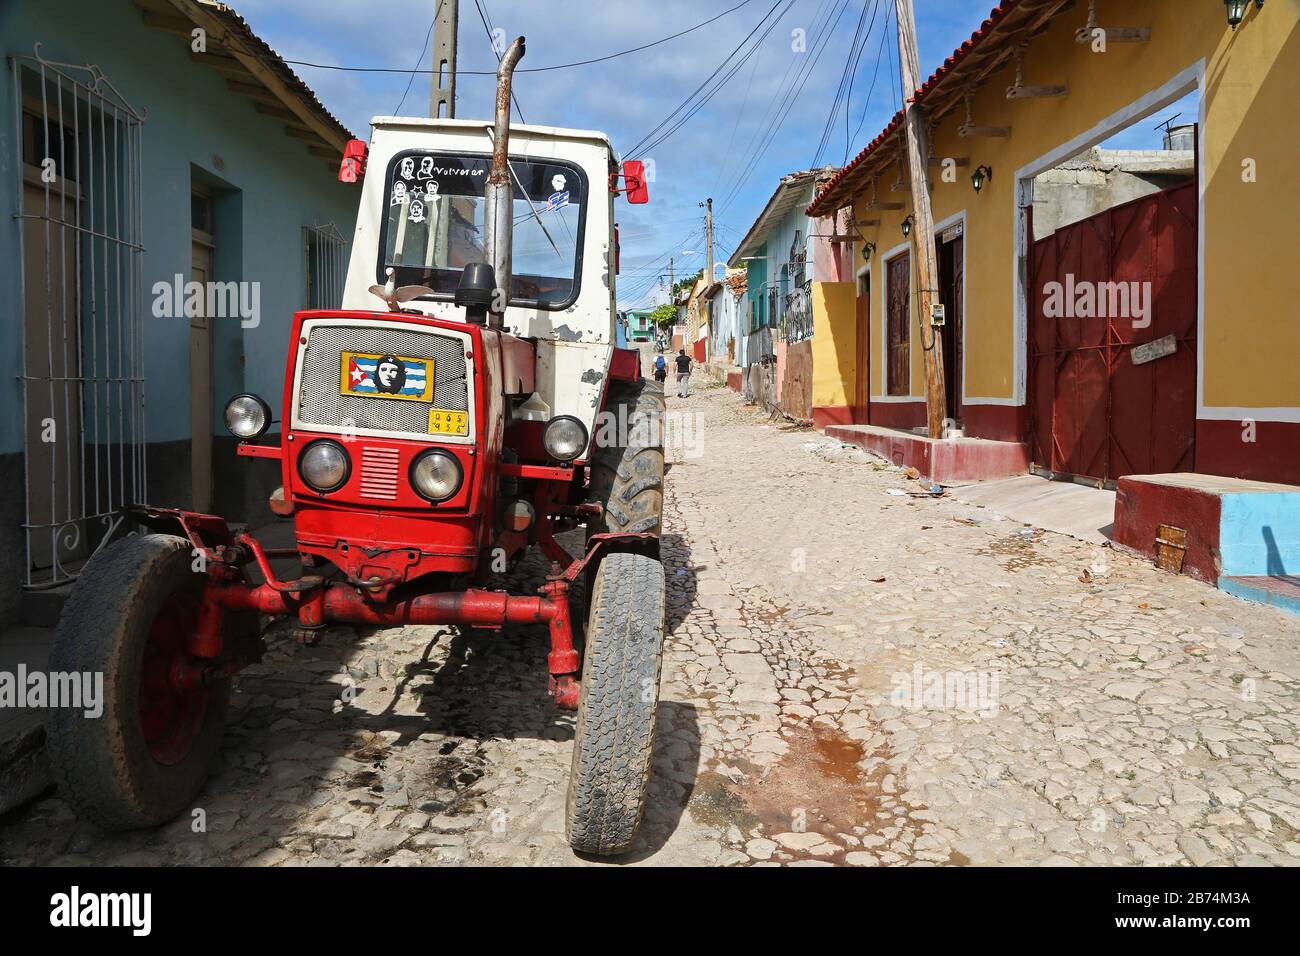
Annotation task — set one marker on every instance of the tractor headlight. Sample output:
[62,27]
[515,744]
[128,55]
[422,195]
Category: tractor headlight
[436,475]
[247,417]
[565,438]
[324,465]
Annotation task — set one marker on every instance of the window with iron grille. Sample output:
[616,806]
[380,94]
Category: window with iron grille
[76,164]
[797,321]
[326,252]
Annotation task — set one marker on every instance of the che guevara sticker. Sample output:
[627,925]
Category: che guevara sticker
[386,376]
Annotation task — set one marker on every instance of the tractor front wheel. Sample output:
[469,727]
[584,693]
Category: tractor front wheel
[616,714]
[130,618]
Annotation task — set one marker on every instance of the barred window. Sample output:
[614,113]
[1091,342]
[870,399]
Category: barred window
[326,252]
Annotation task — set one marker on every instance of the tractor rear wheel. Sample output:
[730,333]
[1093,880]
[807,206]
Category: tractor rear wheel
[130,618]
[627,467]
[616,714]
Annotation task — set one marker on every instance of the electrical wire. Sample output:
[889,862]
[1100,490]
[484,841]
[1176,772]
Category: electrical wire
[419,60]
[487,26]
[880,54]
[850,64]
[663,131]
[535,69]
[779,118]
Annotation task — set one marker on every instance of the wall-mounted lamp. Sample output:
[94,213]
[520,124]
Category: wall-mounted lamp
[907,226]
[982,175]
[1237,10]
[867,249]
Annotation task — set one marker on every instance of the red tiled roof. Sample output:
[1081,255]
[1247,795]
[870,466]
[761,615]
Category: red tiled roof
[951,63]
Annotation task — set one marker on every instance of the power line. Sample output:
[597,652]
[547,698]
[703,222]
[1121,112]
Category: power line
[853,76]
[535,69]
[432,23]
[736,161]
[492,41]
[884,35]
[656,135]
[850,64]
[787,104]
[764,136]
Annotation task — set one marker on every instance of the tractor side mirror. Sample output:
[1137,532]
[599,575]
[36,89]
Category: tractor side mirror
[474,292]
[353,166]
[638,191]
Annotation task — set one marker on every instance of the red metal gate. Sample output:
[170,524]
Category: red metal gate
[1107,396]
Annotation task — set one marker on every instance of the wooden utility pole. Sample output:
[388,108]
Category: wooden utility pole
[927,266]
[708,228]
[442,91]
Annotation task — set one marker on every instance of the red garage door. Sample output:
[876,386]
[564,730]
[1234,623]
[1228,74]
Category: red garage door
[1112,340]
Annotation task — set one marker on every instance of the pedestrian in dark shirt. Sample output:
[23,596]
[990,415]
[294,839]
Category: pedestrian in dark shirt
[683,372]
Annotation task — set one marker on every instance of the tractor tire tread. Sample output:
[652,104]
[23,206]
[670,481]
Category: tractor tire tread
[614,740]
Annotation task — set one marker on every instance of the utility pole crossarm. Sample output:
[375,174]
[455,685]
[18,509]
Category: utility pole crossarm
[927,266]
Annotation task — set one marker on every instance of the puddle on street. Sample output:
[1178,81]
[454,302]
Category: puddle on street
[1018,548]
[817,786]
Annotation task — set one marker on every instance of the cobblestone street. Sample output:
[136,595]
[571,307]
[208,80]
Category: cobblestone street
[1109,713]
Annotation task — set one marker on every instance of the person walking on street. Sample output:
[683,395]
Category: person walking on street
[661,367]
[683,372]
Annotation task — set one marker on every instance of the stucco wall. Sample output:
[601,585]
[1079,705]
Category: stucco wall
[1252,81]
[273,187]
[267,188]
[834,343]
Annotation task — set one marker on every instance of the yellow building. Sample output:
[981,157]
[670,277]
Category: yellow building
[1112,332]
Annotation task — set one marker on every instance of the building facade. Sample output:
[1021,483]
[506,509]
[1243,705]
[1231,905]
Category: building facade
[789,265]
[165,212]
[1115,326]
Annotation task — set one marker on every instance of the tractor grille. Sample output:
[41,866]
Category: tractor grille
[319,401]
[379,472]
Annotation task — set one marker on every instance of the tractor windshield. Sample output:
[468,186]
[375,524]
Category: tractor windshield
[433,225]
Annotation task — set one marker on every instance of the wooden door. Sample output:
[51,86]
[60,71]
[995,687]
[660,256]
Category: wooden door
[951,278]
[1111,394]
[899,325]
[201,384]
[862,398]
[52,363]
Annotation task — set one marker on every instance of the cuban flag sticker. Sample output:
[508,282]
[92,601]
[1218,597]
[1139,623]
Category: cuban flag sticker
[386,376]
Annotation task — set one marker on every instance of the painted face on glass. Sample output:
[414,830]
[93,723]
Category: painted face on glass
[390,376]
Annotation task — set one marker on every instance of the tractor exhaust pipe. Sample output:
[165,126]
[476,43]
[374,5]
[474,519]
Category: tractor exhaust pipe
[500,205]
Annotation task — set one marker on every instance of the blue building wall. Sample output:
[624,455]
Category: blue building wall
[267,188]
[274,188]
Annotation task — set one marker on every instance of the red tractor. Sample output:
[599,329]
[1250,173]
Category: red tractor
[424,442]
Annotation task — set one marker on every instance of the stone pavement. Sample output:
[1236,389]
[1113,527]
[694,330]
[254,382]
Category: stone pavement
[855,673]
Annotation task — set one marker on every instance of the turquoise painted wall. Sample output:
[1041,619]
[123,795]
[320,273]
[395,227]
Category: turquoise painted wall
[1259,534]
[269,188]
[766,272]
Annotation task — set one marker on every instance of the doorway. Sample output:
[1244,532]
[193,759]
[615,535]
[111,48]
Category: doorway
[52,358]
[862,398]
[201,256]
[950,248]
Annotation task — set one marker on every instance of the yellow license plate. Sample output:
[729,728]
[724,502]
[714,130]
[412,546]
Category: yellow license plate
[444,422]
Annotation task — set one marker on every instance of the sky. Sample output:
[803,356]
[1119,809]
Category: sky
[733,148]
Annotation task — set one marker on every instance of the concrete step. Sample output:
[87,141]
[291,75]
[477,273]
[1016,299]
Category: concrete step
[945,460]
[1242,536]
[24,772]
[43,608]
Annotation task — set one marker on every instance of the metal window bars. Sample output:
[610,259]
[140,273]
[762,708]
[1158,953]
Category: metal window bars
[797,323]
[325,249]
[81,285]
